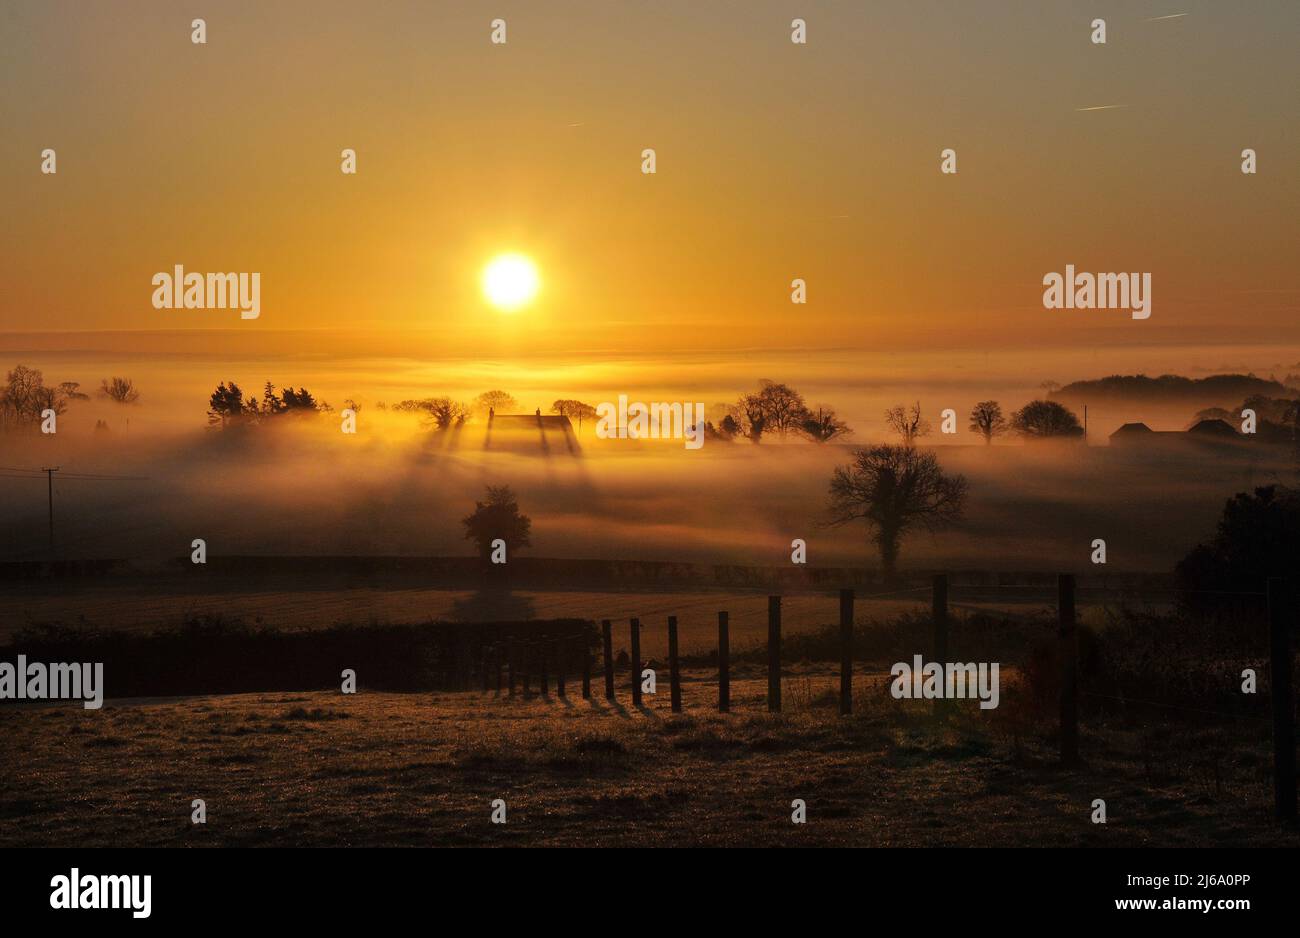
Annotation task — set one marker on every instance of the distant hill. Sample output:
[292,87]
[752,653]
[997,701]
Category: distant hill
[1224,390]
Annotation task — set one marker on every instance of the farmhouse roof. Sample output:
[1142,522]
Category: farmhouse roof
[529,422]
[1130,430]
[1213,427]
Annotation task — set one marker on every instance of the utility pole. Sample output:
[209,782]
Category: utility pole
[49,474]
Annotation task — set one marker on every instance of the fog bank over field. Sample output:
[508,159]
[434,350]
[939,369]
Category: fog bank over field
[302,487]
[177,371]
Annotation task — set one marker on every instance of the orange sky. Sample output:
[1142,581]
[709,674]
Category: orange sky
[775,161]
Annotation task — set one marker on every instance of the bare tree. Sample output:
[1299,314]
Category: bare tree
[986,419]
[71,391]
[24,397]
[21,397]
[751,416]
[446,412]
[822,425]
[894,489]
[907,423]
[121,390]
[774,407]
[443,411]
[782,405]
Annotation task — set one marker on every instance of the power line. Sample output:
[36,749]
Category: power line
[16,472]
[79,476]
[49,473]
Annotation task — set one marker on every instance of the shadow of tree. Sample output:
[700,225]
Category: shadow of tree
[493,605]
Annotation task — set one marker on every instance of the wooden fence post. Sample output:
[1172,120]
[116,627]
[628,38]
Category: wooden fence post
[1281,617]
[559,647]
[636,662]
[545,679]
[846,652]
[774,654]
[512,654]
[939,613]
[584,647]
[525,664]
[605,631]
[675,676]
[496,666]
[1068,639]
[724,663]
[485,656]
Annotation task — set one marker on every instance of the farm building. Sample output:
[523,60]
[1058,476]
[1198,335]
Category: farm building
[537,434]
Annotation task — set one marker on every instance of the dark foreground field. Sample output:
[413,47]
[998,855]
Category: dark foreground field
[321,768]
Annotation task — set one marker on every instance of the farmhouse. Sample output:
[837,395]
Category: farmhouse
[532,434]
[1206,433]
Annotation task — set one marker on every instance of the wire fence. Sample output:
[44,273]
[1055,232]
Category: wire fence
[1278,659]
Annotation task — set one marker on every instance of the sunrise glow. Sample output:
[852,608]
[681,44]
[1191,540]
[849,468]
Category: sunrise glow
[510,282]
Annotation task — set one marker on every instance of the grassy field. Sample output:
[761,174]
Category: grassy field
[421,769]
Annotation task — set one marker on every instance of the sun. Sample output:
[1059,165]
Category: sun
[510,281]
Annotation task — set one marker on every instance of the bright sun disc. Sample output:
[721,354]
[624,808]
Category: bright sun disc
[510,281]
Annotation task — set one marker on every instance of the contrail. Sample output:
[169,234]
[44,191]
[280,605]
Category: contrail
[1101,107]
[1171,16]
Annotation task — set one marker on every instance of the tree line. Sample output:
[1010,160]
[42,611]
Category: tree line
[229,406]
[774,410]
[25,397]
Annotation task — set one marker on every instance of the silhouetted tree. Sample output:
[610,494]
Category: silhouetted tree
[907,423]
[120,390]
[495,518]
[442,411]
[752,417]
[226,405]
[730,427]
[1258,537]
[271,403]
[1277,419]
[986,419]
[498,401]
[774,408]
[24,396]
[822,425]
[300,400]
[1043,419]
[574,410]
[712,432]
[783,407]
[447,413]
[1213,413]
[894,489]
